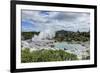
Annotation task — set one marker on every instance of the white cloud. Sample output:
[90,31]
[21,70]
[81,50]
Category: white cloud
[71,21]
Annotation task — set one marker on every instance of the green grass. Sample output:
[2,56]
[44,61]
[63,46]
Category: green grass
[46,56]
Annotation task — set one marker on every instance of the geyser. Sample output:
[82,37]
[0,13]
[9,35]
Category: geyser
[44,35]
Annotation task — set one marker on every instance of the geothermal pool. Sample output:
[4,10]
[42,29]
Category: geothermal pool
[65,45]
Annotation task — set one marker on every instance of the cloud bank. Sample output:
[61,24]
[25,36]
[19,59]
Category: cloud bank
[54,21]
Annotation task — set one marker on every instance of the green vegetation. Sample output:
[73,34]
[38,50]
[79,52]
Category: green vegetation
[28,35]
[62,35]
[70,36]
[46,55]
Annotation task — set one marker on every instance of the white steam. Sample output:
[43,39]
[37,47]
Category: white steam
[44,35]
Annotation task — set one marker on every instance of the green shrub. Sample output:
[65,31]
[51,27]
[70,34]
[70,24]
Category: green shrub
[46,56]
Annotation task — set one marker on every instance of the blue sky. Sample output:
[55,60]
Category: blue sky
[54,21]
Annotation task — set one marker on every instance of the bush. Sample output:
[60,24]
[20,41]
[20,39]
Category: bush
[26,55]
[46,56]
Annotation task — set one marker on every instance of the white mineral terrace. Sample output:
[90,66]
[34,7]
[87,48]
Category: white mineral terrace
[77,49]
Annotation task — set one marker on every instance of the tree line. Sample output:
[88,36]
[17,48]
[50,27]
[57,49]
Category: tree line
[72,36]
[61,36]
